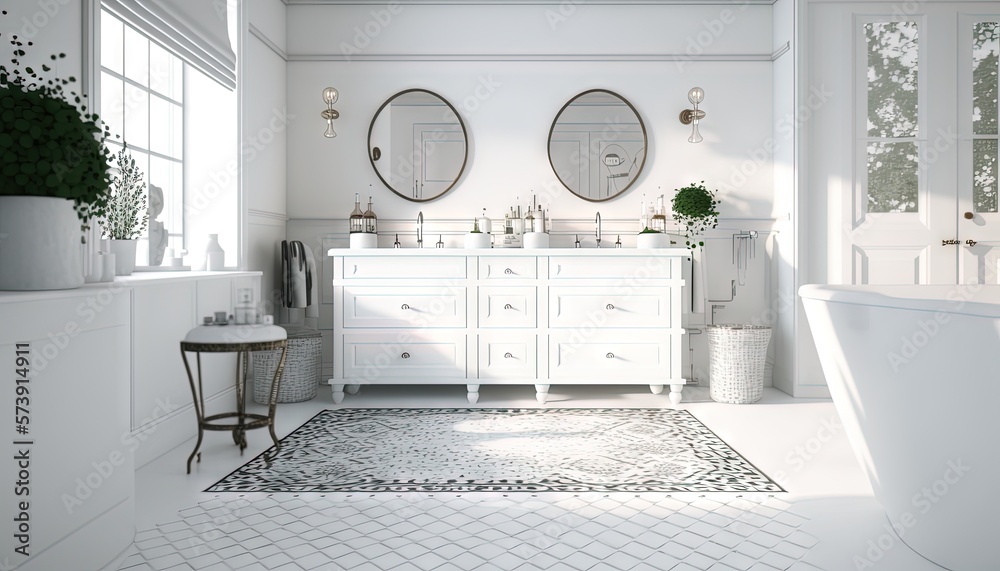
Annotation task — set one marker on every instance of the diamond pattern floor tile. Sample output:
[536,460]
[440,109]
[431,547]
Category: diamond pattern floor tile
[437,532]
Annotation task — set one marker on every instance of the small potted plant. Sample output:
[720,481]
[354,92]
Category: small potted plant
[125,215]
[694,208]
[52,161]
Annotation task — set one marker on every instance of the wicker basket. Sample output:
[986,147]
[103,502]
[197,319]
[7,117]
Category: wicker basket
[736,355]
[303,363]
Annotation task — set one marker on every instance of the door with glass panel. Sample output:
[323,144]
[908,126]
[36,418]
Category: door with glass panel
[923,144]
[979,220]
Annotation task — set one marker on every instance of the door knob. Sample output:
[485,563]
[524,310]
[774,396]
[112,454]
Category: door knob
[508,306]
[969,216]
[610,356]
[405,306]
[610,306]
[405,355]
[508,356]
[970,242]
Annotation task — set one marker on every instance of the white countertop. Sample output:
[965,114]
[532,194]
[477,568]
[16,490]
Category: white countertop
[621,252]
[137,279]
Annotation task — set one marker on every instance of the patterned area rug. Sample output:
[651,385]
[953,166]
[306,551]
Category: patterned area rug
[516,450]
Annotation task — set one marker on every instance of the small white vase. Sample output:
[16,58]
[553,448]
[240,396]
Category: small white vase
[96,268]
[124,251]
[108,266]
[215,258]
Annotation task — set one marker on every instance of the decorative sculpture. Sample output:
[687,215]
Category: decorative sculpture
[158,235]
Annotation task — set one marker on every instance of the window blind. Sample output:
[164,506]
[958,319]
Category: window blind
[196,30]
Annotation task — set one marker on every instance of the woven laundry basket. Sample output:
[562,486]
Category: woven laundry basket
[303,363]
[736,357]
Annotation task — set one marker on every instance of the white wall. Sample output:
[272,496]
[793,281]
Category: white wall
[264,140]
[508,100]
[55,28]
[509,69]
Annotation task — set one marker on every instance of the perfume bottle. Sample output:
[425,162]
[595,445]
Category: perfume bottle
[370,220]
[356,220]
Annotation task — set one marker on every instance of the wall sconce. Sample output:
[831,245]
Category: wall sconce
[692,116]
[330,96]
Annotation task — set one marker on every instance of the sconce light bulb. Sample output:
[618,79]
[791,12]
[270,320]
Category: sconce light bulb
[330,95]
[696,95]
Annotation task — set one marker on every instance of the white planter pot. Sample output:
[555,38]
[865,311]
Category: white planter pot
[39,244]
[652,240]
[124,251]
[480,240]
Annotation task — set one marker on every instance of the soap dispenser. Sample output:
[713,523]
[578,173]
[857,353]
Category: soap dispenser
[370,220]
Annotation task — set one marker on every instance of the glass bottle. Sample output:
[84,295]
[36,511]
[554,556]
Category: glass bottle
[529,220]
[659,221]
[370,220]
[357,217]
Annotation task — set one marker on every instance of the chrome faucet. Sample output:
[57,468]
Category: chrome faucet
[598,232]
[420,229]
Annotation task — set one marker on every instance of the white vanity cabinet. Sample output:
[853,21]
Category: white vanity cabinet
[537,317]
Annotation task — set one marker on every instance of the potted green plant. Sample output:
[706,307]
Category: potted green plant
[125,216]
[53,162]
[694,209]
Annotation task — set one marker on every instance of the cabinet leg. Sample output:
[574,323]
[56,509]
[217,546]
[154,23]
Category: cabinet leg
[338,393]
[675,394]
[473,395]
[656,389]
[353,389]
[541,393]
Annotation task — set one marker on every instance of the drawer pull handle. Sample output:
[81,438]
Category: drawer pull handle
[508,306]
[610,355]
[610,306]
[405,355]
[508,356]
[405,306]
[508,271]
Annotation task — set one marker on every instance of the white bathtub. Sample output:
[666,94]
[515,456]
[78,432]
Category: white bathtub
[914,372]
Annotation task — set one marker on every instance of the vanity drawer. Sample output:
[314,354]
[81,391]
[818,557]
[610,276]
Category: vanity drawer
[507,306]
[601,307]
[405,354]
[404,267]
[633,359]
[508,356]
[427,306]
[597,267]
[507,268]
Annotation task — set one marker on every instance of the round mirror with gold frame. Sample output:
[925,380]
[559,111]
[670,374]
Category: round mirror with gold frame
[418,145]
[597,145]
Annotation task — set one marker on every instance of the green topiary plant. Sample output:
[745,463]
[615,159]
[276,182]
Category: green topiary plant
[694,208]
[126,214]
[49,146]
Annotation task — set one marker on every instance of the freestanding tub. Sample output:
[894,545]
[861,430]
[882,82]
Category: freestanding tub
[914,372]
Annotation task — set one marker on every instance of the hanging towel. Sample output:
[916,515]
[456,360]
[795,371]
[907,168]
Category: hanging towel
[299,289]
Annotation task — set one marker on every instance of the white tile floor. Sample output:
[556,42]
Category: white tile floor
[828,519]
